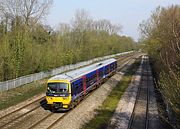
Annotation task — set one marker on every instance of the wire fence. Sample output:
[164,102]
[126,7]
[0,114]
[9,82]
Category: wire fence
[10,84]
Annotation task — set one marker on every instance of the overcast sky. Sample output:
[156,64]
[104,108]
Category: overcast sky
[128,13]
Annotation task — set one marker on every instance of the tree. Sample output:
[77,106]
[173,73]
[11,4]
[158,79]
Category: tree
[82,20]
[107,26]
[28,10]
[161,35]
[18,19]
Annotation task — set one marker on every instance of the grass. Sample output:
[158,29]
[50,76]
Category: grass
[22,93]
[106,111]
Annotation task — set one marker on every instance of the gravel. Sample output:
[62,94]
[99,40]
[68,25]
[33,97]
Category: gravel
[77,117]
[123,113]
[125,106]
[22,104]
[87,109]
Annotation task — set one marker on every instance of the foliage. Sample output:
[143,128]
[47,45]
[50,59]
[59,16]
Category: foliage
[33,47]
[161,36]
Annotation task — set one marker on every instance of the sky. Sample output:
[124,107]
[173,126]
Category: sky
[128,13]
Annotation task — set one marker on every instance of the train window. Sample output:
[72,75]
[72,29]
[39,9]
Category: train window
[101,73]
[72,86]
[106,70]
[112,67]
[76,86]
[94,76]
[87,80]
[80,83]
[90,80]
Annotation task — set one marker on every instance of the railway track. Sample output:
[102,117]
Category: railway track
[40,121]
[61,116]
[126,60]
[20,112]
[139,118]
[11,119]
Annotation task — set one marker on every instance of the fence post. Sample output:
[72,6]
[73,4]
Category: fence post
[7,86]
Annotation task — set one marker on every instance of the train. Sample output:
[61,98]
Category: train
[65,91]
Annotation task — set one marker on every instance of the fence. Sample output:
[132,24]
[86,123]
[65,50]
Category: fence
[10,84]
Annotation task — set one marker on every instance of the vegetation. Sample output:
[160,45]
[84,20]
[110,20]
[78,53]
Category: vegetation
[106,111]
[27,46]
[161,39]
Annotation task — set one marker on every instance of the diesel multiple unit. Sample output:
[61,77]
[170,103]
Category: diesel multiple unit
[66,90]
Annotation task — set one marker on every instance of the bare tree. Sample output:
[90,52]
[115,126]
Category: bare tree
[35,9]
[26,9]
[106,25]
[63,28]
[82,20]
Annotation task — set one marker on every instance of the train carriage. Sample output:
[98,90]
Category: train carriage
[66,90]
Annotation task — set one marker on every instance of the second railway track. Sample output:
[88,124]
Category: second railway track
[12,119]
[38,124]
[140,112]
[126,60]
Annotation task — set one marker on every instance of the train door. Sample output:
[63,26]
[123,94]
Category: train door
[104,72]
[109,68]
[84,84]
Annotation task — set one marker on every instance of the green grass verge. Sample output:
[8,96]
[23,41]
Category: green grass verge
[22,93]
[105,112]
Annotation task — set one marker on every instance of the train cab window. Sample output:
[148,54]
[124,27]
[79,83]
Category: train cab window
[57,87]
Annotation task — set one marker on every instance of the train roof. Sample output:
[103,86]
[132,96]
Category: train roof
[72,75]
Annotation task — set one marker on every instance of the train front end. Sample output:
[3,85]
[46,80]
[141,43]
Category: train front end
[58,94]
